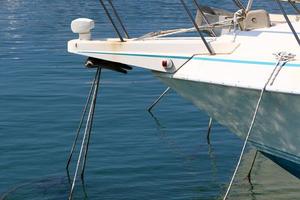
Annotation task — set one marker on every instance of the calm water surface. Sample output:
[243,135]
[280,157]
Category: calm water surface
[132,155]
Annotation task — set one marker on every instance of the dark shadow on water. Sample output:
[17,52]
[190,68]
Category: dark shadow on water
[53,187]
[269,181]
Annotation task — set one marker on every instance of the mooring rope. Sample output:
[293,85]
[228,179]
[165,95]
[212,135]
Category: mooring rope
[91,123]
[81,121]
[236,17]
[86,136]
[282,58]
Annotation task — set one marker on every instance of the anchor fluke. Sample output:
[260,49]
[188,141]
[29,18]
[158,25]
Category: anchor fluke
[114,66]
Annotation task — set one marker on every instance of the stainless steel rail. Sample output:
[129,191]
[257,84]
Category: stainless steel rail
[119,19]
[293,4]
[112,21]
[239,4]
[207,45]
[204,16]
[288,21]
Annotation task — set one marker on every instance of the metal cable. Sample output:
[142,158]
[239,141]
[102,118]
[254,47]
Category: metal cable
[90,127]
[81,122]
[288,21]
[278,65]
[158,99]
[89,119]
[119,19]
[111,20]
[210,50]
[294,6]
[239,4]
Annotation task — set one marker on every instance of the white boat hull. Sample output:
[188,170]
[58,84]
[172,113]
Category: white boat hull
[227,84]
[276,130]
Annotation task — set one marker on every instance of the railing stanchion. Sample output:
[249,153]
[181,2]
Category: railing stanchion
[239,4]
[112,21]
[294,6]
[119,19]
[288,21]
[204,17]
[209,48]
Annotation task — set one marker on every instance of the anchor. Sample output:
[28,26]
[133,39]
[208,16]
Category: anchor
[87,117]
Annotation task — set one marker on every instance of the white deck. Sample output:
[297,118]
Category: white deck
[245,61]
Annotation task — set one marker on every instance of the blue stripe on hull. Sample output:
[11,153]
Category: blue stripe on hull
[292,167]
[211,59]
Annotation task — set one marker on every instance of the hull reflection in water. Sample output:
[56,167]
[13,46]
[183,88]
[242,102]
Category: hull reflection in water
[269,181]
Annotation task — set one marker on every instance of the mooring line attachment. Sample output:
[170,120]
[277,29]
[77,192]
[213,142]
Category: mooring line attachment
[283,58]
[87,132]
[158,99]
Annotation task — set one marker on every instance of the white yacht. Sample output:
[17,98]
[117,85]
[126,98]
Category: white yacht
[243,70]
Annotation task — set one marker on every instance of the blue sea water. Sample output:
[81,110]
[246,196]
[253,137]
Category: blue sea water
[132,154]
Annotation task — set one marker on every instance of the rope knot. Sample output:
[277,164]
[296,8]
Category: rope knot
[284,56]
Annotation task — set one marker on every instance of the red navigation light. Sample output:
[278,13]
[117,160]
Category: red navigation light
[164,63]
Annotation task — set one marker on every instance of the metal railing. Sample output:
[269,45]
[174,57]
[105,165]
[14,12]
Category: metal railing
[204,16]
[293,4]
[288,20]
[207,45]
[238,3]
[118,32]
[112,21]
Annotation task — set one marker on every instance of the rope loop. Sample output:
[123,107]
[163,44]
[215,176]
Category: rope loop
[284,56]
